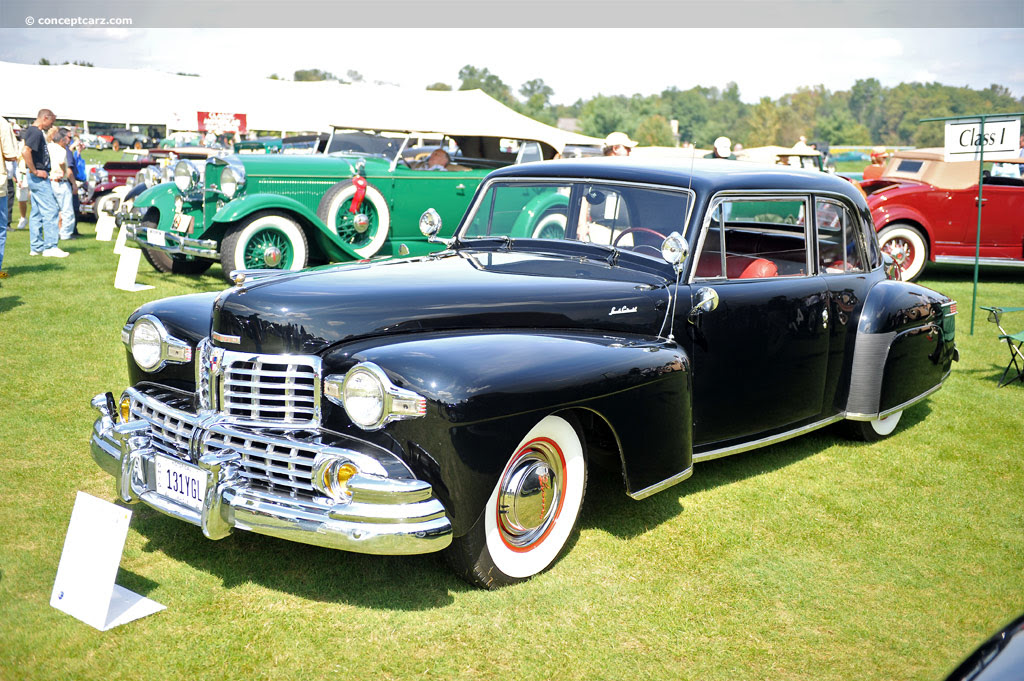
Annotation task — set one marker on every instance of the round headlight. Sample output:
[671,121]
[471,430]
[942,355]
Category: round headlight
[145,343]
[182,176]
[363,397]
[228,183]
[430,223]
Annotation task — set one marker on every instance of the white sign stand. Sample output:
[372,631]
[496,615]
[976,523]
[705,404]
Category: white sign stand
[122,237]
[85,587]
[105,227]
[128,269]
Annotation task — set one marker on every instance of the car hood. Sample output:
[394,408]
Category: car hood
[301,165]
[308,312]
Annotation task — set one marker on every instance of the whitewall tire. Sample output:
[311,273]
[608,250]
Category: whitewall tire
[264,241]
[334,212]
[532,511]
[907,246]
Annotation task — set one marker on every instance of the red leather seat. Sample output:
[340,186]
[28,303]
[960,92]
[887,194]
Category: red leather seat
[736,267]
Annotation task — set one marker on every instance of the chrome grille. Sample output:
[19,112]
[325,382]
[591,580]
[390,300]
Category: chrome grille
[279,467]
[169,434]
[271,388]
[272,460]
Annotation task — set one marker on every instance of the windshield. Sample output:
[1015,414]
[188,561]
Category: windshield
[364,143]
[628,217]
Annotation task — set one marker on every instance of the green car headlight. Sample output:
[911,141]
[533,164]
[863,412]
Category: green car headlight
[230,181]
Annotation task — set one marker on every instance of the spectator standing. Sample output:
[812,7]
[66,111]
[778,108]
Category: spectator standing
[21,182]
[878,158]
[62,180]
[43,222]
[722,149]
[618,144]
[8,152]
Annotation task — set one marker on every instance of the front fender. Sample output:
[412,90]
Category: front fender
[187,318]
[326,239]
[485,391]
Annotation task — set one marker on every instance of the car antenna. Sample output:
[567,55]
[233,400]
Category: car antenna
[678,267]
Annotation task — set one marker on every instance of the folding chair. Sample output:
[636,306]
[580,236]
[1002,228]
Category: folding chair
[1014,341]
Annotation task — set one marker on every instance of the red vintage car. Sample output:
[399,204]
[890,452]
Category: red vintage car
[927,209]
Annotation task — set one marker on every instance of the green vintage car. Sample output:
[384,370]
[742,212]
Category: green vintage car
[361,199]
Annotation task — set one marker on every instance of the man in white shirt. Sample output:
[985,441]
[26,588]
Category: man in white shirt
[61,177]
[8,152]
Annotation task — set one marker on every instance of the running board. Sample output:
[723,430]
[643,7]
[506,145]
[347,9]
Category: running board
[967,260]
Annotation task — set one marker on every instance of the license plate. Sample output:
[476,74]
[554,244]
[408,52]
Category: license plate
[155,237]
[182,223]
[180,482]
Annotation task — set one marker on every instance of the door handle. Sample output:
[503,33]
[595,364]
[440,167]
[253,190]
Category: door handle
[460,189]
[982,200]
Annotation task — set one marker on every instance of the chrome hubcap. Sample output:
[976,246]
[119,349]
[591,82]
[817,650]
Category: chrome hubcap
[361,223]
[530,496]
[272,256]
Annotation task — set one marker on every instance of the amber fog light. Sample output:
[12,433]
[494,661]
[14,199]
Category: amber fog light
[331,475]
[124,409]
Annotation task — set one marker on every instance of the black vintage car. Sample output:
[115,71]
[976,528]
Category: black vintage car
[598,310]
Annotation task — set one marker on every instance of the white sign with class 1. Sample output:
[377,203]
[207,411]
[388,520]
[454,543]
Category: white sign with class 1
[965,139]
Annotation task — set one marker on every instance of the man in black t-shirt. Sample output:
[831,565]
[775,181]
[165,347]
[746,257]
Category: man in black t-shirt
[43,222]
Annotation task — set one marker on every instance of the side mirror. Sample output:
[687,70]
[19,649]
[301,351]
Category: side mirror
[706,301]
[674,250]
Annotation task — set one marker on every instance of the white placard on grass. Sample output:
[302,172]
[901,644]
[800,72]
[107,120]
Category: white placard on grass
[84,587]
[105,227]
[128,269]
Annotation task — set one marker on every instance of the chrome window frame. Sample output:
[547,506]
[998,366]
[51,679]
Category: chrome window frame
[720,197]
[856,226]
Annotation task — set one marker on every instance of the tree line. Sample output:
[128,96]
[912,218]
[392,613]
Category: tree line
[866,114]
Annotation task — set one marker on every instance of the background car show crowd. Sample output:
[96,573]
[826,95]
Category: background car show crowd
[41,163]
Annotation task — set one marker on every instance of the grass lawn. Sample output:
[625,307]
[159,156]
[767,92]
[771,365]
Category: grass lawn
[816,559]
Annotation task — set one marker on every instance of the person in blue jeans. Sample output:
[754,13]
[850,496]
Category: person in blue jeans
[43,222]
[8,152]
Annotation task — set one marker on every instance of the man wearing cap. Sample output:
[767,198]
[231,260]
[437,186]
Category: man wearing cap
[618,144]
[722,149]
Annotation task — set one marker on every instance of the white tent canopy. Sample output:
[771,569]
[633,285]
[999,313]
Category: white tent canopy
[466,113]
[140,97]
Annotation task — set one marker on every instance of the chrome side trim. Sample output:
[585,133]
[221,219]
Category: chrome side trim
[766,441]
[664,484]
[968,260]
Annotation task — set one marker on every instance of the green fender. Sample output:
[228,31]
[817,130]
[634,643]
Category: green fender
[329,244]
[534,209]
[160,196]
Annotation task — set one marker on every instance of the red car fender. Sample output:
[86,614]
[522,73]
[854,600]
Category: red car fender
[884,214]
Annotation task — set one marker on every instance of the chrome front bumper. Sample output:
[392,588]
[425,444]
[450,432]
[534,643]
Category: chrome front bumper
[172,242]
[384,516]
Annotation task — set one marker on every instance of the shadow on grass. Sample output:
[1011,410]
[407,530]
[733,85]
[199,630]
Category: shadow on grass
[135,582]
[310,572]
[8,303]
[937,273]
[607,507]
[993,373]
[424,582]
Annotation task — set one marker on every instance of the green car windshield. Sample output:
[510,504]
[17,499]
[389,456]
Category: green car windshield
[624,216]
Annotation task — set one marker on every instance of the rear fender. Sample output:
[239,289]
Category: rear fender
[904,349]
[485,391]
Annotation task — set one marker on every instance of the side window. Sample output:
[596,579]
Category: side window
[839,247]
[755,238]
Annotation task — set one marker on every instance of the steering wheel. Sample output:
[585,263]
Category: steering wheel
[629,230]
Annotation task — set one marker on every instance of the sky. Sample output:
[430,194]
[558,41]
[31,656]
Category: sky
[575,63]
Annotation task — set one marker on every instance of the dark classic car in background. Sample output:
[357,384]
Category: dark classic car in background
[927,209]
[359,200]
[588,311]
